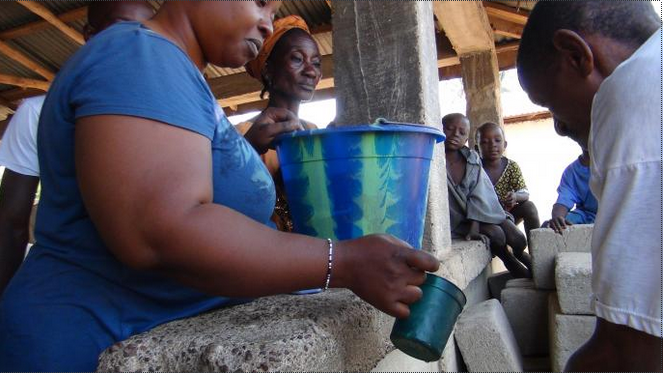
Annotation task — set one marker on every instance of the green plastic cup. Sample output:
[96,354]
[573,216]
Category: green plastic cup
[424,334]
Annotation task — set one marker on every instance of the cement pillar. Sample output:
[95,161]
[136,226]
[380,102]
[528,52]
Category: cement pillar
[385,65]
[481,82]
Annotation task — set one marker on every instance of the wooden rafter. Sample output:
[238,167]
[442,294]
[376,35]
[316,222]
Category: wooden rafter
[7,103]
[32,27]
[466,25]
[506,28]
[26,61]
[51,18]
[24,82]
[506,13]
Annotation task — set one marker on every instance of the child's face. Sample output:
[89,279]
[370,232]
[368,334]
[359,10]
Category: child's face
[456,134]
[492,143]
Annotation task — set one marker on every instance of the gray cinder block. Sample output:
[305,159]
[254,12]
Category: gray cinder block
[527,311]
[573,279]
[485,339]
[567,333]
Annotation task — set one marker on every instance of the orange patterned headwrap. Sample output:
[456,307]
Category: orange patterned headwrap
[281,26]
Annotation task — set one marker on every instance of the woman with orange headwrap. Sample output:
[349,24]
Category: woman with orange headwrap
[289,66]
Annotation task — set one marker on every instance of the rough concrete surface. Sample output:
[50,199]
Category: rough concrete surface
[485,339]
[527,311]
[573,278]
[545,244]
[567,333]
[464,262]
[333,331]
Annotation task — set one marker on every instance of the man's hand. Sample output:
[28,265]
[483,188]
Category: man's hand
[271,123]
[558,224]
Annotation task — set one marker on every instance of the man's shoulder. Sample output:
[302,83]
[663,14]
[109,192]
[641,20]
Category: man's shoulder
[33,103]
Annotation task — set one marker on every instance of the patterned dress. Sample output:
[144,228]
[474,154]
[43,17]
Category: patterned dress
[510,181]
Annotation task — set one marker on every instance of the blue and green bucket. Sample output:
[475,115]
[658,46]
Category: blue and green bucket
[347,182]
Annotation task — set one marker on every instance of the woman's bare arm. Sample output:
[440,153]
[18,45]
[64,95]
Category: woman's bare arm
[148,189]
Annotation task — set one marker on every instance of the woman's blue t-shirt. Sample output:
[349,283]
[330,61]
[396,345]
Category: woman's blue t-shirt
[72,298]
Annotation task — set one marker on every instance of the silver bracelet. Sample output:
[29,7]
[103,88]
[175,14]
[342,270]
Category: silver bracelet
[330,257]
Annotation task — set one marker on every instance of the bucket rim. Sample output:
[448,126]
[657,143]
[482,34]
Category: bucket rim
[382,127]
[436,282]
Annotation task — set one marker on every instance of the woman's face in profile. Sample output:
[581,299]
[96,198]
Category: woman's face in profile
[230,33]
[294,68]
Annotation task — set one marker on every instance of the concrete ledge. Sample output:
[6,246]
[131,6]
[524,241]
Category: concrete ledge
[333,331]
[545,244]
[464,262]
[573,281]
[567,333]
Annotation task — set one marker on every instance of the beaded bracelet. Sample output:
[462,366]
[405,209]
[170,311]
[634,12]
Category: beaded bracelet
[330,257]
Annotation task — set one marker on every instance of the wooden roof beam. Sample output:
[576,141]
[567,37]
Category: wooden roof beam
[32,27]
[506,13]
[51,18]
[506,28]
[26,61]
[23,82]
[7,103]
[466,25]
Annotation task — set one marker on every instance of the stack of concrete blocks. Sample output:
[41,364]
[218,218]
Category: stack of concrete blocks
[561,273]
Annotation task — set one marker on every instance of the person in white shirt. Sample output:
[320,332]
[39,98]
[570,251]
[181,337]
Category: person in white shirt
[597,67]
[18,148]
[18,154]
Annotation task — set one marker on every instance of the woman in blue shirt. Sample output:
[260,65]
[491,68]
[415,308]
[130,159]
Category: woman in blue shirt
[153,207]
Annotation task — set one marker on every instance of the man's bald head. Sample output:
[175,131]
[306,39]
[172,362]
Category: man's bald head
[628,22]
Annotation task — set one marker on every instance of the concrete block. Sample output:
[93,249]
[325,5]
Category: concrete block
[545,244]
[497,283]
[527,311]
[573,280]
[485,339]
[567,333]
[331,331]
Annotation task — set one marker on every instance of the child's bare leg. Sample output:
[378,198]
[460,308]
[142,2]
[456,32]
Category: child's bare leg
[527,212]
[517,241]
[498,245]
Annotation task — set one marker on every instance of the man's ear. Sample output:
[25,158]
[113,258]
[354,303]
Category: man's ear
[574,52]
[505,141]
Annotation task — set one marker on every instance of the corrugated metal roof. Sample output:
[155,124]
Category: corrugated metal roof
[13,15]
[10,67]
[50,47]
[61,6]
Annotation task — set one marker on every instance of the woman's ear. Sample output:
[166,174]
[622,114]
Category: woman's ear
[574,52]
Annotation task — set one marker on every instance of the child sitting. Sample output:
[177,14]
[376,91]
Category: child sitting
[506,177]
[574,190]
[475,212]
